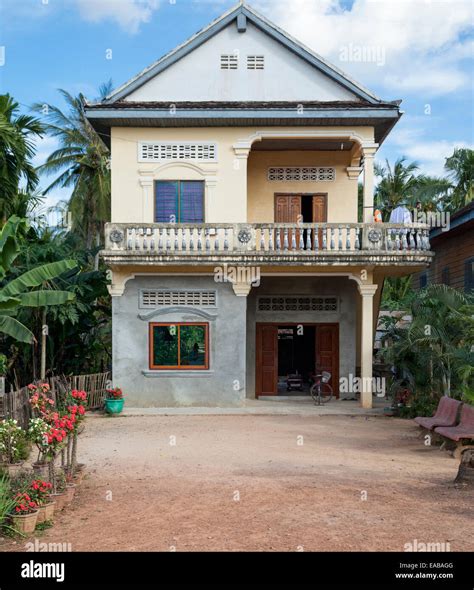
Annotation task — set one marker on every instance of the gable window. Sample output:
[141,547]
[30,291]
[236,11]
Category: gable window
[469,275]
[255,62]
[183,346]
[179,201]
[229,61]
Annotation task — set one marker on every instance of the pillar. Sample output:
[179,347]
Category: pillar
[367,292]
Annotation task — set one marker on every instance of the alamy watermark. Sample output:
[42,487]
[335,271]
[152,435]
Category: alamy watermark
[363,54]
[237,274]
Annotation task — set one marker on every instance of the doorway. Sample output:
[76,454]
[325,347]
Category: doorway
[295,350]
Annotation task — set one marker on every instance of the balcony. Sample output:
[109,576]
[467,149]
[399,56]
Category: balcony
[356,244]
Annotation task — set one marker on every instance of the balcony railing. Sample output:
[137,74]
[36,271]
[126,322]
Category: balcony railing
[275,239]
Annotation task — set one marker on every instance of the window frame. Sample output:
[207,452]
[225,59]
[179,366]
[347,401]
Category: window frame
[468,275]
[178,199]
[178,367]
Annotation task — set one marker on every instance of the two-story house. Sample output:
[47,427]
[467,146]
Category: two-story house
[235,246]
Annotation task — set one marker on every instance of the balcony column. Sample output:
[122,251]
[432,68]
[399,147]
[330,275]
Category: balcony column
[241,154]
[367,292]
[146,182]
[369,153]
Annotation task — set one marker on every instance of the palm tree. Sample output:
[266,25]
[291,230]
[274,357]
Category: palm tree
[460,167]
[396,184]
[16,151]
[82,163]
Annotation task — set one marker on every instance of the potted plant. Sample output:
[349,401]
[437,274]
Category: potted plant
[40,491]
[114,401]
[11,439]
[38,434]
[25,513]
[59,493]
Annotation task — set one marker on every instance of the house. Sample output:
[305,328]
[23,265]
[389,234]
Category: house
[235,249]
[453,246]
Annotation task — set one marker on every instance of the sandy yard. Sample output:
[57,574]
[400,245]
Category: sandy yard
[261,483]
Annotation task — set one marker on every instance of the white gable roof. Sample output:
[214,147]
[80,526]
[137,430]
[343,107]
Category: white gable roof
[192,71]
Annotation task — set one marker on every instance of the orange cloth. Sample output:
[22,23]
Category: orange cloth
[378,216]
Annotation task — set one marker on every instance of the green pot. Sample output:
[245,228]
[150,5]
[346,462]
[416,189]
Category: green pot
[114,406]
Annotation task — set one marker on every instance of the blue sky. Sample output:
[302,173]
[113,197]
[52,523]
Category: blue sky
[417,50]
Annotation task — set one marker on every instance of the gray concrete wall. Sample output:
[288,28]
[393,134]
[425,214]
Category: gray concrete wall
[341,287]
[224,382]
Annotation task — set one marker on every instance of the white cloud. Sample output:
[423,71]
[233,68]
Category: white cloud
[129,14]
[423,41]
[412,141]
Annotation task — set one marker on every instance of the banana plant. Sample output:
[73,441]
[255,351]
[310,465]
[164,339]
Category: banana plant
[22,291]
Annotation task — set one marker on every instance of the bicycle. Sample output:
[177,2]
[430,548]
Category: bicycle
[321,391]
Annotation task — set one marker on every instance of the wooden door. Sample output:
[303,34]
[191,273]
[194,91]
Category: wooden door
[288,210]
[267,360]
[327,352]
[319,215]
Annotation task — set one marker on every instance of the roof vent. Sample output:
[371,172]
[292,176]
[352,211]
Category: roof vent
[229,61]
[255,62]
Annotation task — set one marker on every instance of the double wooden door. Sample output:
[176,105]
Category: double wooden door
[326,356]
[289,209]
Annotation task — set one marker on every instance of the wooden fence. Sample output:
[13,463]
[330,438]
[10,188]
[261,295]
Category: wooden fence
[15,404]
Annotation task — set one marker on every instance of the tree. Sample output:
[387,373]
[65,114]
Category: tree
[20,292]
[460,167]
[82,163]
[396,184]
[17,133]
[434,353]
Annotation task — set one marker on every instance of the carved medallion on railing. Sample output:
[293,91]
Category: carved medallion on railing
[374,235]
[116,236]
[244,236]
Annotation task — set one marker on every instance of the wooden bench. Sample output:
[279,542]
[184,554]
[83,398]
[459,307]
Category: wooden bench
[461,433]
[446,414]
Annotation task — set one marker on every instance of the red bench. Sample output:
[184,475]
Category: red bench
[446,414]
[464,431]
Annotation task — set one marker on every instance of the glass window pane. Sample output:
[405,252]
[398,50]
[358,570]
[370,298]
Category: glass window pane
[166,210]
[165,346]
[193,346]
[191,201]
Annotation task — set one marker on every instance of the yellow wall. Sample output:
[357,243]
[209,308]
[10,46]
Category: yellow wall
[226,180]
[341,192]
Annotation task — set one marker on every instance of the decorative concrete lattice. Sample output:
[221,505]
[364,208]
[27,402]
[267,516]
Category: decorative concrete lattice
[297,303]
[301,173]
[160,298]
[149,152]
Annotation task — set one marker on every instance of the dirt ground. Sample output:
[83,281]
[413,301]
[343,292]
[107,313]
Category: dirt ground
[261,483]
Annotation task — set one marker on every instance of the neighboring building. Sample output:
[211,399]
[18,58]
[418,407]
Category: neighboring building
[453,263]
[240,150]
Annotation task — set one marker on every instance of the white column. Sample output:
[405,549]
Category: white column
[241,151]
[369,153]
[367,342]
[148,207]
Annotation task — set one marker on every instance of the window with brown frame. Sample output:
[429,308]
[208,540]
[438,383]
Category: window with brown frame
[179,346]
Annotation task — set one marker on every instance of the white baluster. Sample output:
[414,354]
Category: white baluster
[270,239]
[191,238]
[348,237]
[208,241]
[285,239]
[316,238]
[308,239]
[325,245]
[226,239]
[332,239]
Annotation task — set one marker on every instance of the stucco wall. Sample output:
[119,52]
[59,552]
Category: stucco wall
[344,288]
[341,192]
[198,76]
[223,384]
[226,180]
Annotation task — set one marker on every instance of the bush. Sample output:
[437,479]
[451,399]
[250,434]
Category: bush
[419,404]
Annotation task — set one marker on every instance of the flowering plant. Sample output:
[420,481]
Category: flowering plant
[24,504]
[39,398]
[11,436]
[39,491]
[115,393]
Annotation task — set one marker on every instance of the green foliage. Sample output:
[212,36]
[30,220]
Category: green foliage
[12,441]
[17,133]
[434,353]
[81,163]
[6,500]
